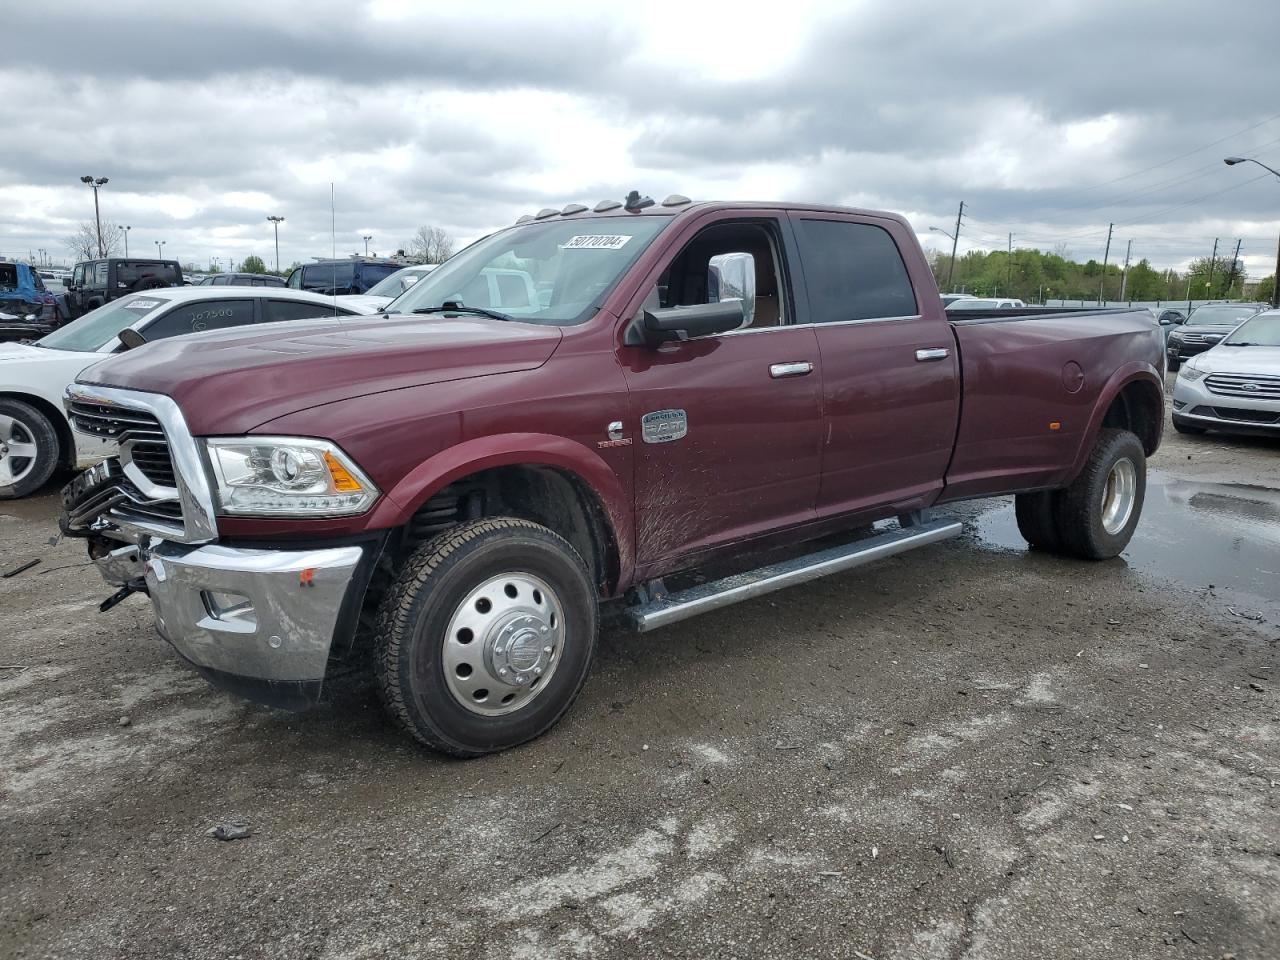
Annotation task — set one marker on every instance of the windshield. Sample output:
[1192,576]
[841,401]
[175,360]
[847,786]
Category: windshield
[399,282]
[554,272]
[1263,331]
[98,327]
[1220,316]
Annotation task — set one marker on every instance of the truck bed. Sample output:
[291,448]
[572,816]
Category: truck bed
[1032,380]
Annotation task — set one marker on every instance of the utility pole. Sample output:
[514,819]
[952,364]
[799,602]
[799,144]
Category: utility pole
[1213,260]
[1275,281]
[1106,256]
[1009,271]
[275,222]
[955,239]
[1124,274]
[1231,277]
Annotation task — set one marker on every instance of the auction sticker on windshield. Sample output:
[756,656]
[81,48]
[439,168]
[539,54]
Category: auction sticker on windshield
[596,241]
[142,304]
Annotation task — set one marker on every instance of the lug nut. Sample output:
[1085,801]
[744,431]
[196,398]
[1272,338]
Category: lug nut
[502,671]
[537,671]
[546,649]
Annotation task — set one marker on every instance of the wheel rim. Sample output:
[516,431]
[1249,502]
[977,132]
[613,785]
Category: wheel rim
[17,450]
[1120,495]
[503,644]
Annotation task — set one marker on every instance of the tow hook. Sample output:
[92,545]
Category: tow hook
[136,585]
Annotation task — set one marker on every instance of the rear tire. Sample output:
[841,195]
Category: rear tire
[486,637]
[28,449]
[1036,520]
[1097,514]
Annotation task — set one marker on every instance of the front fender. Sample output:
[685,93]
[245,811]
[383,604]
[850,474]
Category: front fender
[515,449]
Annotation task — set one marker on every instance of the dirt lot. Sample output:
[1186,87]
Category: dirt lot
[970,750]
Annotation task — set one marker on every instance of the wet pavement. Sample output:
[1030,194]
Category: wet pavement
[1199,534]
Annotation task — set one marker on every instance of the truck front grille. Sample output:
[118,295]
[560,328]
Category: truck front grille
[148,447]
[1253,386]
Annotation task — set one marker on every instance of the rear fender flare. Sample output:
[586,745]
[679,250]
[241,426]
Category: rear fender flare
[518,449]
[1133,372]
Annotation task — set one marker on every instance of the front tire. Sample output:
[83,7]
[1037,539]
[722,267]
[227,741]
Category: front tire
[28,449]
[486,637]
[1097,514]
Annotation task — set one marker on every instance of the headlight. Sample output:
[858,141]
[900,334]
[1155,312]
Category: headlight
[1187,372]
[286,477]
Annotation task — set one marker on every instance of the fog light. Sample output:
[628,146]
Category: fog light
[228,606]
[1179,404]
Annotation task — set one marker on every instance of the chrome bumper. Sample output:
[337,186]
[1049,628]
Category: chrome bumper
[267,615]
[1194,404]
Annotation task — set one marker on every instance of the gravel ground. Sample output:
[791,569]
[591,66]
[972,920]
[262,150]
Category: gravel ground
[969,750]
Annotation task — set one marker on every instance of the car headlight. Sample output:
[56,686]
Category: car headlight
[286,477]
[1188,372]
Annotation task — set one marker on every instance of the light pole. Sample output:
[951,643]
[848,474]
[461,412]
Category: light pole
[952,265]
[125,231]
[1275,285]
[160,249]
[97,217]
[366,244]
[275,222]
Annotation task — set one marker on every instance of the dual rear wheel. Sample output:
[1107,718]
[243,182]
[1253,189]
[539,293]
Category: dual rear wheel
[1093,518]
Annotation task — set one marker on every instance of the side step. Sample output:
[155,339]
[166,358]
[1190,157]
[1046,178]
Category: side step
[721,593]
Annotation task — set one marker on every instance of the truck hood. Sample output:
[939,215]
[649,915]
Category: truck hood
[29,354]
[230,381]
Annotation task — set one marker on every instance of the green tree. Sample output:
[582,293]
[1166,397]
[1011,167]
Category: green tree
[253,264]
[1266,289]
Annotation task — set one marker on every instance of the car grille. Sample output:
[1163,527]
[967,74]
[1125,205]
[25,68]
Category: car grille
[1255,387]
[1247,416]
[1201,337]
[149,450]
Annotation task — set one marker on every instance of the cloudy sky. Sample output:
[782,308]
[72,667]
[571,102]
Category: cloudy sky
[1049,119]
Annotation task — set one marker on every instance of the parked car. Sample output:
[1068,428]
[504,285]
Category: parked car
[95,282]
[1170,318]
[35,436]
[23,293]
[949,298]
[1204,327]
[1233,387]
[985,303]
[241,280]
[452,494]
[387,290]
[342,277]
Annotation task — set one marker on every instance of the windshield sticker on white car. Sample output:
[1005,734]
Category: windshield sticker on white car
[142,304]
[596,241]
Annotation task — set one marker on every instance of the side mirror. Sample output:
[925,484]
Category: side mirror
[685,323]
[131,338]
[732,277]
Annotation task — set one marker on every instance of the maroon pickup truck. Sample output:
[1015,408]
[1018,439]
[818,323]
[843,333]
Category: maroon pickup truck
[663,407]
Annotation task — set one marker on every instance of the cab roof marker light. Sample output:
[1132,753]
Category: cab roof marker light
[572,208]
[525,219]
[604,205]
[545,212]
[676,200]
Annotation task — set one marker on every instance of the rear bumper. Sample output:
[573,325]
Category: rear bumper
[260,622]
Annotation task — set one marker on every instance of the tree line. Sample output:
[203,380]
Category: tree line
[1033,275]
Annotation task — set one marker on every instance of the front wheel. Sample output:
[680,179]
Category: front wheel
[28,449]
[486,637]
[1097,514]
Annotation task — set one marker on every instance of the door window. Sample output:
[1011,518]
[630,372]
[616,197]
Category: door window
[684,282]
[853,271]
[100,273]
[277,310]
[200,316]
[77,276]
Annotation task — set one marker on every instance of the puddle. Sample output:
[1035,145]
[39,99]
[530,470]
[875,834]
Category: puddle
[1195,533]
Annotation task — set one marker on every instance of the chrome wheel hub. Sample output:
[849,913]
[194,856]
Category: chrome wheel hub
[17,450]
[1120,495]
[503,644]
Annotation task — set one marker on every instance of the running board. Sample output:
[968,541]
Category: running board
[755,583]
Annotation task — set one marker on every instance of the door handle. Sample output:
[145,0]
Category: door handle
[798,368]
[934,353]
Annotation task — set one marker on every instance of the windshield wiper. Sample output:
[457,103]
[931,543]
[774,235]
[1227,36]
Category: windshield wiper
[449,306]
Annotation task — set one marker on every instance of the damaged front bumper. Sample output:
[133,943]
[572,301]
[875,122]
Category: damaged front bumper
[259,622]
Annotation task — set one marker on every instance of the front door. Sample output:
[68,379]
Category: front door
[726,428]
[890,373]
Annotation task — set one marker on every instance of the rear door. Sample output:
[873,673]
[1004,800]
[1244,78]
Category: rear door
[726,428]
[196,316]
[890,377]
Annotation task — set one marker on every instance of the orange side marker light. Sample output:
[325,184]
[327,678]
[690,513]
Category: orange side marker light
[1055,424]
[306,578]
[343,481]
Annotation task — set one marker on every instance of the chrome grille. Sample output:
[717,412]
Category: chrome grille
[1253,386]
[148,448]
